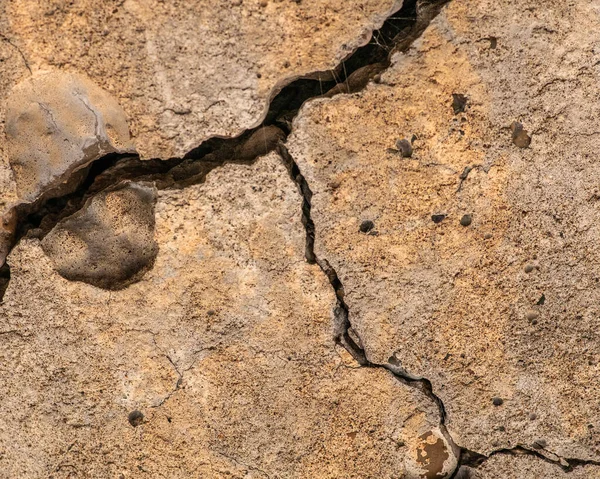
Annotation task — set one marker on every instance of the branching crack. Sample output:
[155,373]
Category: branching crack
[353,75]
[343,331]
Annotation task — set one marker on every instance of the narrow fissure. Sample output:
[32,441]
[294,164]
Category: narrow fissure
[343,331]
[353,74]
[396,35]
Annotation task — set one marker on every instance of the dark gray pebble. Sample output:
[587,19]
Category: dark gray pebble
[366,226]
[405,148]
[466,220]
[135,418]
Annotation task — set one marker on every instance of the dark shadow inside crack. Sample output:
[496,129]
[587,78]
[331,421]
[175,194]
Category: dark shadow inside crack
[353,74]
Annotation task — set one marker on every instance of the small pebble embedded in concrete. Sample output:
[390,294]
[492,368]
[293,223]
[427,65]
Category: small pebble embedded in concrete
[533,416]
[135,418]
[437,218]
[519,135]
[529,268]
[466,220]
[487,236]
[497,401]
[459,103]
[540,444]
[405,148]
[531,315]
[366,226]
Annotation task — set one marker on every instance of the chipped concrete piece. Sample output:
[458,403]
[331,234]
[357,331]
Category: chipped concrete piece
[225,346]
[57,123]
[455,304]
[187,71]
[110,241]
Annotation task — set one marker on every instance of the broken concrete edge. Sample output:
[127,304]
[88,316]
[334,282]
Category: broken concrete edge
[13,219]
[16,213]
[361,40]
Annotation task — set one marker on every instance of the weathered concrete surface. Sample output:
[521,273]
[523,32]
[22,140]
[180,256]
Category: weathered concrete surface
[185,71]
[506,307]
[225,346]
[528,467]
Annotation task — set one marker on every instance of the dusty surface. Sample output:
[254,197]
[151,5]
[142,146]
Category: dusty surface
[505,307]
[225,346]
[185,71]
[454,195]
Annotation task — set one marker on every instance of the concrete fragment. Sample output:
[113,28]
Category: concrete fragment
[57,123]
[110,241]
[452,303]
[225,347]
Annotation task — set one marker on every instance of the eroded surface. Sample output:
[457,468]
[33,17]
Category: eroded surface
[225,347]
[503,306]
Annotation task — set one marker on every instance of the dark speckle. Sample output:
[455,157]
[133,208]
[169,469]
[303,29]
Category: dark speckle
[405,148]
[366,226]
[459,103]
[437,218]
[519,135]
[466,220]
[135,418]
[497,401]
[539,444]
[542,300]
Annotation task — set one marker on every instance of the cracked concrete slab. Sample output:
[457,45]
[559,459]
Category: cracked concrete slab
[187,71]
[223,352]
[479,271]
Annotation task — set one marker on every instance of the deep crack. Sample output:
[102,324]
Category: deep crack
[343,331]
[353,74]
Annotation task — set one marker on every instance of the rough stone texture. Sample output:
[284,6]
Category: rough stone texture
[109,242]
[528,467]
[455,196]
[57,123]
[454,303]
[225,346]
[185,71]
